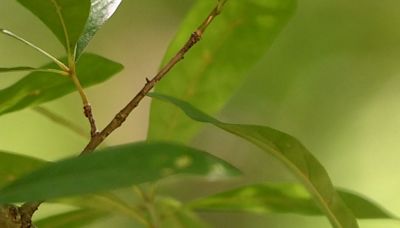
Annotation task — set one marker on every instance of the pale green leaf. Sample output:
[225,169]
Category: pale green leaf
[215,68]
[291,153]
[283,198]
[72,219]
[100,12]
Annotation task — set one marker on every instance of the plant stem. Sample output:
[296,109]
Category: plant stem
[124,113]
[54,59]
[99,137]
[87,108]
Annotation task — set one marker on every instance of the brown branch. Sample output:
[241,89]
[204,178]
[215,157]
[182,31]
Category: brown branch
[124,113]
[97,138]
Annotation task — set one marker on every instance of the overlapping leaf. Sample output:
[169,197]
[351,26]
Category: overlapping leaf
[13,166]
[292,154]
[283,198]
[216,67]
[100,12]
[65,18]
[40,87]
[112,168]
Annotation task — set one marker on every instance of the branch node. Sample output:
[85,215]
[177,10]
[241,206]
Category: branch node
[87,110]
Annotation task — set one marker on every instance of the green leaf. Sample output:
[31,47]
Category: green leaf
[13,69]
[112,168]
[214,69]
[72,219]
[65,18]
[100,12]
[41,87]
[175,215]
[13,166]
[291,153]
[283,198]
[26,68]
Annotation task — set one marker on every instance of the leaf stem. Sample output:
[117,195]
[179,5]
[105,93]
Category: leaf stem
[125,112]
[87,108]
[54,59]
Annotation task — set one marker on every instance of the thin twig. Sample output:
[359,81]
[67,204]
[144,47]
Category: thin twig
[124,113]
[87,108]
[98,138]
[61,121]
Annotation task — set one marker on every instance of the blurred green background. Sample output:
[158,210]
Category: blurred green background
[331,79]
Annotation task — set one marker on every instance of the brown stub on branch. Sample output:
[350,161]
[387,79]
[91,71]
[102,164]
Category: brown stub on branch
[87,110]
[17,217]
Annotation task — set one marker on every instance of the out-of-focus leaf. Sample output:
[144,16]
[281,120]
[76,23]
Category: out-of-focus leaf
[65,18]
[100,12]
[13,166]
[291,153]
[214,69]
[13,69]
[72,219]
[112,168]
[283,198]
[364,208]
[174,215]
[40,87]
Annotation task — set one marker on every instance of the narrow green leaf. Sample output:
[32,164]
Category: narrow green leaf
[214,69]
[100,12]
[291,153]
[41,87]
[13,69]
[65,18]
[13,166]
[72,219]
[26,68]
[112,168]
[283,198]
[175,215]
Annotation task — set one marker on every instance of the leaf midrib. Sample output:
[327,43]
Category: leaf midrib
[296,170]
[65,30]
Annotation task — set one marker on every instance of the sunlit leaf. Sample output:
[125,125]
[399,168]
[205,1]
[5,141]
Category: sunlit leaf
[13,166]
[283,198]
[72,219]
[41,87]
[291,153]
[65,18]
[100,12]
[112,168]
[215,68]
